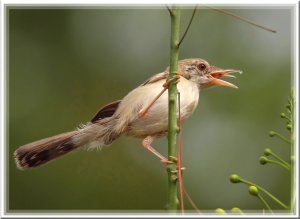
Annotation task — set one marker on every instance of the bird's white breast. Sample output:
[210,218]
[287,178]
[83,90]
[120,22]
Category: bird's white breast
[155,121]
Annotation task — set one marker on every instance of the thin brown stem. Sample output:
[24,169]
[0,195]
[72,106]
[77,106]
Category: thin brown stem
[188,27]
[242,19]
[179,163]
[191,201]
[170,11]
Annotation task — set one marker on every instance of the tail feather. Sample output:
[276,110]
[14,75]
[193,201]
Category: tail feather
[45,150]
[40,152]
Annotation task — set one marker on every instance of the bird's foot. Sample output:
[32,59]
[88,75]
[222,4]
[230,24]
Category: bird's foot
[172,160]
[175,79]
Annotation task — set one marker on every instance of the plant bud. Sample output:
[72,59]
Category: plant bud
[235,178]
[263,160]
[253,190]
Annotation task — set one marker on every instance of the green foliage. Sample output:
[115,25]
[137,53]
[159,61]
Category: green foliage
[271,157]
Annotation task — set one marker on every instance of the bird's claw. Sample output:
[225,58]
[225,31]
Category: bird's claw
[172,160]
[165,161]
[175,79]
[176,171]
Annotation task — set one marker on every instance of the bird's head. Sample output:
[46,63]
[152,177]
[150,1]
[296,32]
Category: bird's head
[204,74]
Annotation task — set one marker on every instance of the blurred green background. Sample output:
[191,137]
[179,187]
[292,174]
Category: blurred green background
[65,63]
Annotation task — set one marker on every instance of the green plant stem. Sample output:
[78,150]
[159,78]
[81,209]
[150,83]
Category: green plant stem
[287,118]
[282,137]
[264,203]
[266,192]
[280,164]
[293,178]
[172,117]
[280,159]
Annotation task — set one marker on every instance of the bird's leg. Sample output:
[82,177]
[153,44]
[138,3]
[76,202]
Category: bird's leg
[147,144]
[143,111]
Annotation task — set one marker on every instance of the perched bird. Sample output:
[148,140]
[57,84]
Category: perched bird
[131,116]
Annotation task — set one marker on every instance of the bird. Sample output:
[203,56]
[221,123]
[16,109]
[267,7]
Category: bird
[142,113]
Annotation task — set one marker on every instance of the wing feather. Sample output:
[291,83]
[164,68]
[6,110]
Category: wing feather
[106,111]
[157,77]
[109,109]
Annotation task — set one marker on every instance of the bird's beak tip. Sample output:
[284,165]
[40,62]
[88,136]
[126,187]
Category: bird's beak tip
[216,75]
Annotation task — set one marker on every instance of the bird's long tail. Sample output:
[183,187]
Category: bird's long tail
[40,152]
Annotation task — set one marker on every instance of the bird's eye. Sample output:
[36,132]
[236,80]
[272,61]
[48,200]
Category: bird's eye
[202,66]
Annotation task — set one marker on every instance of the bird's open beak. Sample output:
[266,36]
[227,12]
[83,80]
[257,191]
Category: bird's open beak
[218,73]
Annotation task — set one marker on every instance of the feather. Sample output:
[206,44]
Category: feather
[106,111]
[157,77]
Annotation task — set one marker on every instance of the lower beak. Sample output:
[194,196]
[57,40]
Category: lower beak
[219,82]
[223,73]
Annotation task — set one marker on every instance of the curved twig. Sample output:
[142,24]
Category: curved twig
[242,19]
[188,27]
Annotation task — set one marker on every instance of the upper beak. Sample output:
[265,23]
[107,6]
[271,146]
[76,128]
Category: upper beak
[218,73]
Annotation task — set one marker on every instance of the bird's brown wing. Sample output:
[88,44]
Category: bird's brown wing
[155,78]
[106,111]
[109,109]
